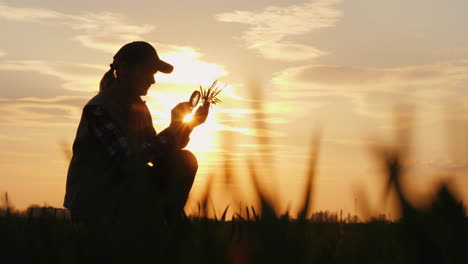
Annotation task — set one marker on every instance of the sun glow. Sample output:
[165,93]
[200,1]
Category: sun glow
[203,137]
[188,118]
[189,69]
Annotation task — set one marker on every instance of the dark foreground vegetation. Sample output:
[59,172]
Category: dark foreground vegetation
[436,234]
[46,235]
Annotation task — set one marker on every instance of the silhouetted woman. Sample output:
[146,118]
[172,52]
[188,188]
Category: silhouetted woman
[116,140]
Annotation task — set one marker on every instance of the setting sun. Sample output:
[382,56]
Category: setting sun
[203,137]
[188,118]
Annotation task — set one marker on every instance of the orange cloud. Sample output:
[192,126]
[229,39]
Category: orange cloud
[344,78]
[64,110]
[104,31]
[75,76]
[269,28]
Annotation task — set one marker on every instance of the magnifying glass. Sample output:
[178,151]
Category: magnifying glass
[194,99]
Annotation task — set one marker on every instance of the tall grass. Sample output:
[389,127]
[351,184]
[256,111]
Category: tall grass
[255,234]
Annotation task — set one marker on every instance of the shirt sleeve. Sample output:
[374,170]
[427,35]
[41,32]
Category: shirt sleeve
[158,146]
[112,139]
[170,138]
[106,132]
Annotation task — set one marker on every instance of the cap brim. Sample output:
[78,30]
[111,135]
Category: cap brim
[164,67]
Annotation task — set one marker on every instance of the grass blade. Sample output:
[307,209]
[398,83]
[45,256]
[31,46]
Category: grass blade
[223,216]
[314,149]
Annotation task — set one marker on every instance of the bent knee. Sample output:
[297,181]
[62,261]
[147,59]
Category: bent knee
[188,158]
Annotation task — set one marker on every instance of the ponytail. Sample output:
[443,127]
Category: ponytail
[106,80]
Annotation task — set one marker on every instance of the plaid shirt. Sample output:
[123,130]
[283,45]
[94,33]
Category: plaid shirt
[111,137]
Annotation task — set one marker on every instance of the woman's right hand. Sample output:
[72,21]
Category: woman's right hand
[179,112]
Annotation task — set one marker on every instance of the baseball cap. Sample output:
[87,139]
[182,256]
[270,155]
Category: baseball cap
[143,53]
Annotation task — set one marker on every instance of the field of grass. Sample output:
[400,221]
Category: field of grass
[46,235]
[436,234]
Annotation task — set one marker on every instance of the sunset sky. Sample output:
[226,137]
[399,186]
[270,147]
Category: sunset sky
[344,67]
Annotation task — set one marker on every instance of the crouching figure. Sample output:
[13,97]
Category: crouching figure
[118,158]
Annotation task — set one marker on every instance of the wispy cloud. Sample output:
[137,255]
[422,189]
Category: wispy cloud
[2,53]
[27,14]
[270,29]
[372,91]
[460,52]
[75,76]
[348,79]
[36,112]
[289,51]
[105,31]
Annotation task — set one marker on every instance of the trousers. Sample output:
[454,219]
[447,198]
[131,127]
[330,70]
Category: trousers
[165,186]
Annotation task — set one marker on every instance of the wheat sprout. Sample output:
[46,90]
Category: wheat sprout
[210,94]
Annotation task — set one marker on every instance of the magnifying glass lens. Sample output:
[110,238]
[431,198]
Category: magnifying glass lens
[195,98]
